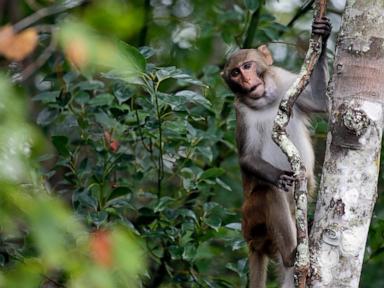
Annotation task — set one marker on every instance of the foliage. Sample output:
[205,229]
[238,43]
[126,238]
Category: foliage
[40,238]
[138,141]
[137,149]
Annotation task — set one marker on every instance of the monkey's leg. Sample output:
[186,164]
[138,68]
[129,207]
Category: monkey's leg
[280,225]
[285,275]
[257,269]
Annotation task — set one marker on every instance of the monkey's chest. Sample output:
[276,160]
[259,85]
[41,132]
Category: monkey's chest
[259,141]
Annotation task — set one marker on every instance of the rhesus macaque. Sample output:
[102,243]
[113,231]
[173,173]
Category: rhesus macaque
[268,208]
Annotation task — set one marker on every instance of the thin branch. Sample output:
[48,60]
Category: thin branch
[41,60]
[299,13]
[52,281]
[302,11]
[279,135]
[44,12]
[33,4]
[283,42]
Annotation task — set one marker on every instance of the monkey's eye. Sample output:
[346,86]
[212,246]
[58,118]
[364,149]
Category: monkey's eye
[235,72]
[247,65]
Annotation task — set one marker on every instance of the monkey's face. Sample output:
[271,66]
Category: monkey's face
[246,80]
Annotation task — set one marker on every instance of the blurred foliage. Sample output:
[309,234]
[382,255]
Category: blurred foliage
[138,140]
[41,240]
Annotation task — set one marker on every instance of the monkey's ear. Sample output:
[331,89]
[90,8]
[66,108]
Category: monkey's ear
[264,51]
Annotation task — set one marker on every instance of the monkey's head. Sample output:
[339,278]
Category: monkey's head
[244,73]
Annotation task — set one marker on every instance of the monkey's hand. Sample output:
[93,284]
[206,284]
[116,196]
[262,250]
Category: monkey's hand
[286,181]
[322,27]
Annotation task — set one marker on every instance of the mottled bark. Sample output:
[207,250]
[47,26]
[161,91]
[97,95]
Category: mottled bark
[348,187]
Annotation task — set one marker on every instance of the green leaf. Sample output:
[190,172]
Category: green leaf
[121,92]
[104,99]
[134,60]
[90,85]
[206,152]
[213,221]
[147,52]
[163,203]
[172,72]
[82,97]
[47,97]
[186,213]
[240,267]
[238,244]
[167,72]
[175,251]
[61,145]
[106,121]
[119,192]
[84,199]
[70,77]
[189,252]
[234,226]
[223,184]
[98,218]
[252,4]
[193,97]
[212,173]
[47,116]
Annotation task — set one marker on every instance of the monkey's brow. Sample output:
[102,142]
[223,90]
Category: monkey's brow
[246,62]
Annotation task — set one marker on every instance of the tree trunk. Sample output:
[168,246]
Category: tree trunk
[348,187]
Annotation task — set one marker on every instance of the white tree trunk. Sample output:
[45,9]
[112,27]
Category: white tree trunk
[348,188]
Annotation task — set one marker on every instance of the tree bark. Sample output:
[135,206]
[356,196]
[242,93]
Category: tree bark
[348,188]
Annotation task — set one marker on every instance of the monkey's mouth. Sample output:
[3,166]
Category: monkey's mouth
[252,93]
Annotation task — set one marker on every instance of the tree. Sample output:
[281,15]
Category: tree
[349,182]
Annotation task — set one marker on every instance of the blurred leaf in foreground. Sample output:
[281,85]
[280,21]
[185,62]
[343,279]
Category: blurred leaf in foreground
[52,242]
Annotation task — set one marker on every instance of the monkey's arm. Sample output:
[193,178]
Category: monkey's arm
[265,171]
[314,98]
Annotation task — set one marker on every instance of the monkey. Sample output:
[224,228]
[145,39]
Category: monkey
[268,223]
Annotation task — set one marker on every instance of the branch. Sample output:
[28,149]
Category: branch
[279,135]
[303,10]
[42,59]
[44,12]
[300,12]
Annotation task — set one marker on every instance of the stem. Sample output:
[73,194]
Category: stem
[250,35]
[144,29]
[160,171]
[141,132]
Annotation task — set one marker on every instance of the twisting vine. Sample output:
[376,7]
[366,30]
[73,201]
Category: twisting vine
[279,135]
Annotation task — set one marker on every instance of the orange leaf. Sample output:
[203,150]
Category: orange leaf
[77,52]
[101,249]
[114,145]
[17,46]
